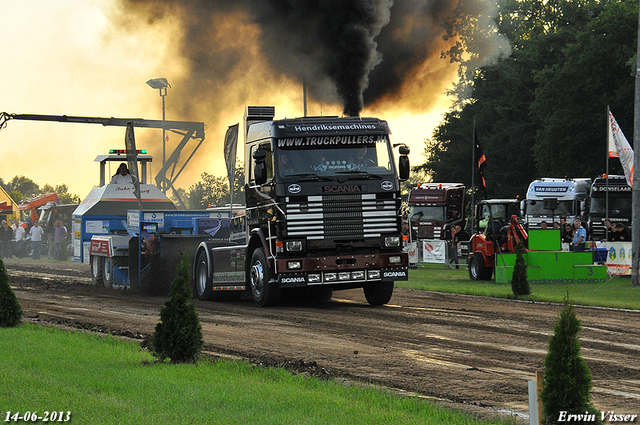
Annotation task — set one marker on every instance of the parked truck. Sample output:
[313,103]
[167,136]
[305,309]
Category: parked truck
[323,209]
[549,199]
[610,192]
[435,207]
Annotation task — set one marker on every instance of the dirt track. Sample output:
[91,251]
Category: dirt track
[468,351]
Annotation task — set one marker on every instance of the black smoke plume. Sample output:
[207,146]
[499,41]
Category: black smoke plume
[352,52]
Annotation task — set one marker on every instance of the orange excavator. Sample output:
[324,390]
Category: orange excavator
[502,232]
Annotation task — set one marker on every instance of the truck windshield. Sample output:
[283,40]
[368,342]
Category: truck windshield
[618,207]
[371,159]
[536,206]
[426,213]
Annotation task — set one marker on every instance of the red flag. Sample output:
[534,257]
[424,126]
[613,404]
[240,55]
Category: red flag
[481,161]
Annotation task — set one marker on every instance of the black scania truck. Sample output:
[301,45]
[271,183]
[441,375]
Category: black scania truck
[322,210]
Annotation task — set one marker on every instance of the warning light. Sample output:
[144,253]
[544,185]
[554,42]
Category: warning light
[124,151]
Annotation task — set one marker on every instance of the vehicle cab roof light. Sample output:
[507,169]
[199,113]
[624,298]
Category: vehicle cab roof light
[124,151]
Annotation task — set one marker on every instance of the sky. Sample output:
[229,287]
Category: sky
[93,57]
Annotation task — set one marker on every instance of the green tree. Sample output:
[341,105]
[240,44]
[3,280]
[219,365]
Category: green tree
[213,191]
[10,310]
[573,94]
[567,378]
[535,110]
[27,187]
[62,190]
[519,281]
[178,335]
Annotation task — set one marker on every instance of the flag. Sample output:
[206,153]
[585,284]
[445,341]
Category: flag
[481,161]
[132,159]
[620,148]
[230,149]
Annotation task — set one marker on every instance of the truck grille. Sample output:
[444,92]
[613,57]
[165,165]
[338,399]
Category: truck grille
[342,217]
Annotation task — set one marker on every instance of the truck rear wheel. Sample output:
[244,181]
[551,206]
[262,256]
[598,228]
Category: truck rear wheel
[97,277]
[202,286]
[264,294]
[378,293]
[477,267]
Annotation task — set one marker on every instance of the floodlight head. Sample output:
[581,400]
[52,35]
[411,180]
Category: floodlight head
[158,83]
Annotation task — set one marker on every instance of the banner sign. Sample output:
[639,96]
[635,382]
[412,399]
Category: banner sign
[434,251]
[618,257]
[330,141]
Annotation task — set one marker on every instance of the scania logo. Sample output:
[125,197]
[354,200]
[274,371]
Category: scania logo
[336,189]
[394,274]
[293,280]
[387,185]
[294,188]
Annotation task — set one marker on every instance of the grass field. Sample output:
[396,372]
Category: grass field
[103,380]
[617,292]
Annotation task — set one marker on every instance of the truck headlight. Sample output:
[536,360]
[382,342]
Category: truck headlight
[395,259]
[392,241]
[293,246]
[330,277]
[294,265]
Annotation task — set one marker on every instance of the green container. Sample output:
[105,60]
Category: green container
[545,240]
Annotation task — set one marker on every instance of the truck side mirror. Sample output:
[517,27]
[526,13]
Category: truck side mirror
[403,162]
[259,167]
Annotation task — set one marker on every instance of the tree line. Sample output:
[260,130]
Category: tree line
[541,111]
[21,188]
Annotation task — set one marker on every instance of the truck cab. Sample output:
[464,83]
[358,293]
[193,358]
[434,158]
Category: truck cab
[549,199]
[323,209]
[610,199]
[434,208]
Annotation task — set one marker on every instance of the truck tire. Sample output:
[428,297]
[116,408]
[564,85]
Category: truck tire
[477,267]
[107,272]
[97,277]
[378,293]
[202,285]
[264,294]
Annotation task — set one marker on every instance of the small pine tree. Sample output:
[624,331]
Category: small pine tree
[178,335]
[567,378]
[519,282]
[10,310]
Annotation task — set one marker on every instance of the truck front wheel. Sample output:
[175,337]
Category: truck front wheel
[264,294]
[97,277]
[378,293]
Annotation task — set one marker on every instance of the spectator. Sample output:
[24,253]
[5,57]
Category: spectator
[36,239]
[6,236]
[580,235]
[19,238]
[544,225]
[620,233]
[59,251]
[455,231]
[567,233]
[556,225]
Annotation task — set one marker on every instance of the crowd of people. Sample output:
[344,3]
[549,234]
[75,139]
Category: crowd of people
[14,240]
[575,235]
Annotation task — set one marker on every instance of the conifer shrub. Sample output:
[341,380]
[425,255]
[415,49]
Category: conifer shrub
[519,282]
[10,310]
[178,335]
[567,378]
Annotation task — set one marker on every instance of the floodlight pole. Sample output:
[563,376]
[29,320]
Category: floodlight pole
[161,84]
[635,199]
